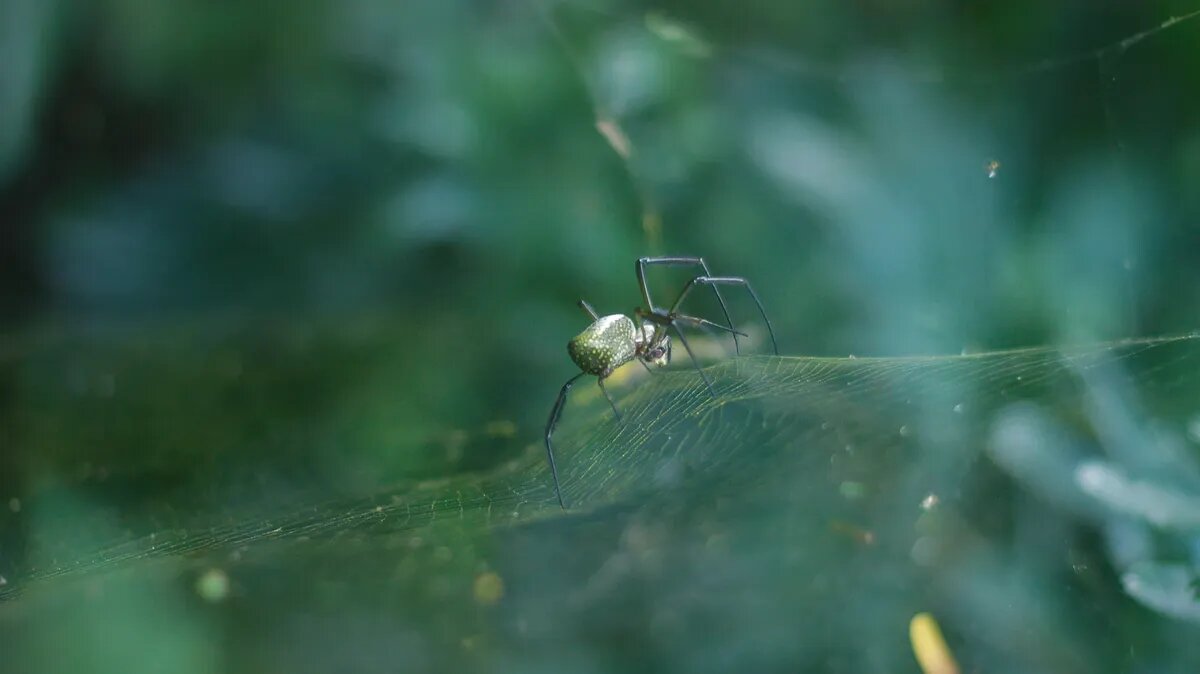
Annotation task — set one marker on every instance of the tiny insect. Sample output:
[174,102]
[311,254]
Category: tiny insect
[614,340]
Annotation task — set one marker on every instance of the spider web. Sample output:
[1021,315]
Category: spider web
[677,440]
[882,466]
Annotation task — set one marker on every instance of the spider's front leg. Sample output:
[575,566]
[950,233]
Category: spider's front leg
[683,261]
[703,323]
[714,281]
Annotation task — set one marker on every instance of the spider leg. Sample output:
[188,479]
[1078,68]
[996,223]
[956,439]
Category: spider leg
[683,340]
[728,280]
[555,413]
[691,321]
[678,261]
[702,323]
[616,412]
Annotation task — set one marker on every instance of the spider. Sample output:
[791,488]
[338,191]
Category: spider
[614,340]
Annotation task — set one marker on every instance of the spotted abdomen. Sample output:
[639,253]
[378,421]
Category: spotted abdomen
[606,345]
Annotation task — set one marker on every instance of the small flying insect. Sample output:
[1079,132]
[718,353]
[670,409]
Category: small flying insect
[614,340]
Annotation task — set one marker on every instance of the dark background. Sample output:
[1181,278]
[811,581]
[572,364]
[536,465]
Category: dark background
[258,256]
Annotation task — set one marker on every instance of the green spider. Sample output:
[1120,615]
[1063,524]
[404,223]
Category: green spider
[614,340]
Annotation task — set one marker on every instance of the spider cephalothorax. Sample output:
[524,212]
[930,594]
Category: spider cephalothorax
[614,340]
[654,345]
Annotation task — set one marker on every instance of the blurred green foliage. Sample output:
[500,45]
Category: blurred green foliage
[269,257]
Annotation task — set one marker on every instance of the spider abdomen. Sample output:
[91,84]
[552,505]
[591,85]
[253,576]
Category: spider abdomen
[605,345]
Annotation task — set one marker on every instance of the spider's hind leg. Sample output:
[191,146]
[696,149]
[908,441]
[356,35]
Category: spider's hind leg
[555,413]
[586,306]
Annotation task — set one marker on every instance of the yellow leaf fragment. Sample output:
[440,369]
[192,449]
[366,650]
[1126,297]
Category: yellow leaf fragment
[929,647]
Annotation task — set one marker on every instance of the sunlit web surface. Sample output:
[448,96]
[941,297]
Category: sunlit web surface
[808,481]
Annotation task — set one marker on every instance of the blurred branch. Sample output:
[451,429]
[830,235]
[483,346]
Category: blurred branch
[609,127]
